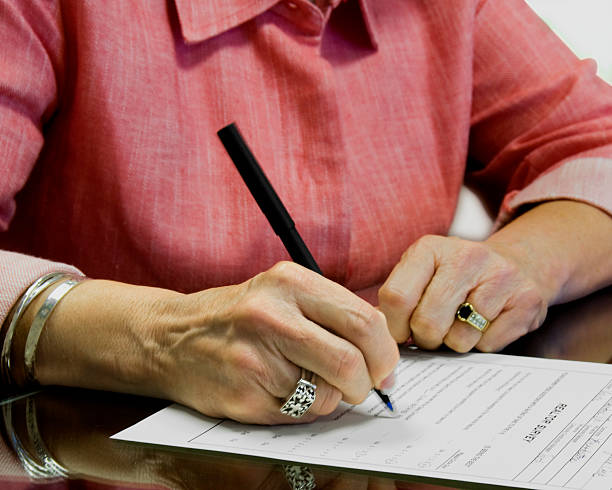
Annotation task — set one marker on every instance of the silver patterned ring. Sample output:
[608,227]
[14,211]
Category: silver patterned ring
[298,403]
[300,477]
[468,314]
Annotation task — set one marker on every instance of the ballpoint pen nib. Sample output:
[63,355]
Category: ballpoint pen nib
[387,401]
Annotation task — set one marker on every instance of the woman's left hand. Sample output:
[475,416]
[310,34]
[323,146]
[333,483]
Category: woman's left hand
[437,274]
[555,252]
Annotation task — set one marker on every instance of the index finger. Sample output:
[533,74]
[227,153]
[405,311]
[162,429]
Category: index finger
[399,296]
[345,314]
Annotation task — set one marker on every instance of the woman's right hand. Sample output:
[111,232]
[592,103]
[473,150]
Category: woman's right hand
[234,351]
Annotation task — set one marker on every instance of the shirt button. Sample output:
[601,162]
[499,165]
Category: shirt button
[291,5]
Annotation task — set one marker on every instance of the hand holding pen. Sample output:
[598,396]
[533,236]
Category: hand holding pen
[230,352]
[298,403]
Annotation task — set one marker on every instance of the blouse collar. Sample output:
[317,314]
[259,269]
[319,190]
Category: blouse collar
[203,19]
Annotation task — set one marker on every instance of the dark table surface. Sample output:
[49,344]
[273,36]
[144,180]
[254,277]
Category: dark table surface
[73,427]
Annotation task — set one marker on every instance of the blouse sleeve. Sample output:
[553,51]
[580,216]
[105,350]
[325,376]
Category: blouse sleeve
[30,73]
[541,118]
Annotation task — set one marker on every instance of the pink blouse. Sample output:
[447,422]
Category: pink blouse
[363,115]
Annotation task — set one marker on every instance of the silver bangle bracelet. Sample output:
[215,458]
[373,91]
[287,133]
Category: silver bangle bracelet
[40,465]
[39,322]
[52,467]
[34,290]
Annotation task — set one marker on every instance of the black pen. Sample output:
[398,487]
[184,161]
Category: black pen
[271,205]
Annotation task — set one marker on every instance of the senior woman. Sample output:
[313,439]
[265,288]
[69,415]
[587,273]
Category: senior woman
[363,115]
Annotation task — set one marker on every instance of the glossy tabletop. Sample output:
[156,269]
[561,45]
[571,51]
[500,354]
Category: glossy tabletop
[73,428]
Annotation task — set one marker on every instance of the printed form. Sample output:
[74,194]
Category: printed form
[487,418]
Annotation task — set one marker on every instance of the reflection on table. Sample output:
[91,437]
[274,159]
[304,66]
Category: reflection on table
[60,437]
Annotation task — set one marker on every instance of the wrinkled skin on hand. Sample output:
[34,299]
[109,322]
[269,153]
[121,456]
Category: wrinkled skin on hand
[236,351]
[436,274]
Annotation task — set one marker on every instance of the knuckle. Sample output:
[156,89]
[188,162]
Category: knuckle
[362,320]
[422,323]
[256,309]
[394,298]
[424,327]
[423,245]
[539,319]
[348,365]
[247,363]
[401,336]
[530,296]
[300,336]
[427,241]
[285,273]
[504,272]
[250,367]
[473,253]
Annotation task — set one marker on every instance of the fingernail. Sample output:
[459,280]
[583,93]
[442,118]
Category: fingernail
[388,382]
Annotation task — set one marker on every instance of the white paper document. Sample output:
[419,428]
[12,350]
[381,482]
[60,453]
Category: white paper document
[487,418]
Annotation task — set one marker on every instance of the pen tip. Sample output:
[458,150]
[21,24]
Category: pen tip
[386,400]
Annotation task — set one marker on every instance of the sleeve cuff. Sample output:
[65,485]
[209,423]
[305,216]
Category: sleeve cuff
[588,180]
[18,271]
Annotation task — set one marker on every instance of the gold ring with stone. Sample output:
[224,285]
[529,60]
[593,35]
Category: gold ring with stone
[468,314]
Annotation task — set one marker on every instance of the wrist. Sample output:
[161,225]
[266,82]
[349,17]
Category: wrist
[102,336]
[21,329]
[541,266]
[564,246]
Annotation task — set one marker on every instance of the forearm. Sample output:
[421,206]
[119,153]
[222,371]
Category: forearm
[233,351]
[566,244]
[99,336]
